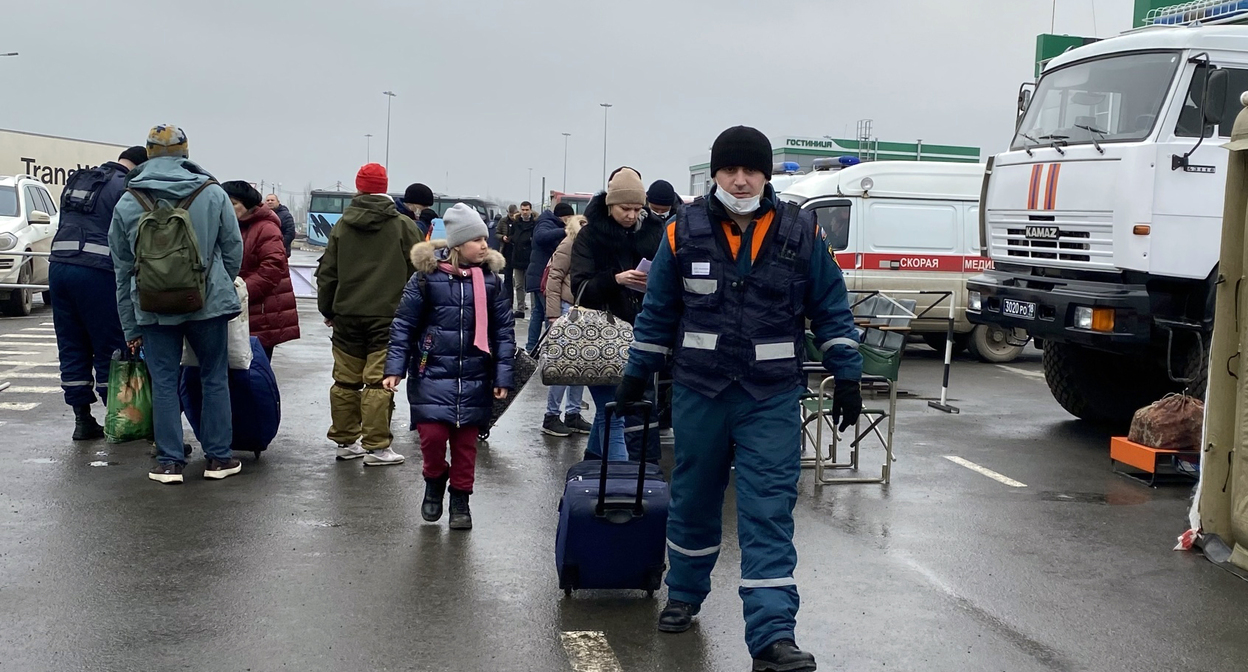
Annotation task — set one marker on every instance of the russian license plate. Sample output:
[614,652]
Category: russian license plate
[1023,310]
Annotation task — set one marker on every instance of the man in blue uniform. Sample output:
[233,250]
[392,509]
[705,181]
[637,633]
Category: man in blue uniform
[738,275]
[80,280]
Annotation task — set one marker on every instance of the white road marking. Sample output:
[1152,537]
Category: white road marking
[19,389]
[14,406]
[39,329]
[588,651]
[48,324]
[1038,375]
[27,344]
[41,337]
[19,353]
[14,362]
[30,374]
[985,471]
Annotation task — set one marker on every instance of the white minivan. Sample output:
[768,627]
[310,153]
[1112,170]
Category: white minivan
[28,222]
[906,225]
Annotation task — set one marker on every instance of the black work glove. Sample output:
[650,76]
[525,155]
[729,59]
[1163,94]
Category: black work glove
[846,403]
[631,390]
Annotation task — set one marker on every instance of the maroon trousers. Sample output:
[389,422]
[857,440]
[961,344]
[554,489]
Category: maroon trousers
[433,439]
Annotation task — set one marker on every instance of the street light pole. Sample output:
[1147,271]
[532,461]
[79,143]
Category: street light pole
[530,185]
[368,146]
[389,97]
[565,161]
[11,53]
[605,107]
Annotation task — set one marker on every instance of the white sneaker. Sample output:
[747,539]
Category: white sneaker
[351,452]
[376,458]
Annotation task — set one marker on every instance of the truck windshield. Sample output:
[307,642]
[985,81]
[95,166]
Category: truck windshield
[1114,99]
[8,202]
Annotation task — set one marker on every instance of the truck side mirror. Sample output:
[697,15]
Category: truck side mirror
[1215,96]
[39,217]
[1024,96]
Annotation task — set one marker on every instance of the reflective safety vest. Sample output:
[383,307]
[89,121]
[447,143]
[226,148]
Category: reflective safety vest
[744,329]
[87,206]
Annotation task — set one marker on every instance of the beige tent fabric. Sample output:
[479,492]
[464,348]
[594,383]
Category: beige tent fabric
[1222,499]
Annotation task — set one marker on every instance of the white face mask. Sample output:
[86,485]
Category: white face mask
[740,206]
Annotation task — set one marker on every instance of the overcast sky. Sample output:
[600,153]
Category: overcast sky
[285,90]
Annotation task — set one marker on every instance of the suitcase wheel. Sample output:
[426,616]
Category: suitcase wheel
[483,435]
[567,592]
[649,594]
[257,454]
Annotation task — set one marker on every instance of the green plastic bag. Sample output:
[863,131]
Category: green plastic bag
[129,400]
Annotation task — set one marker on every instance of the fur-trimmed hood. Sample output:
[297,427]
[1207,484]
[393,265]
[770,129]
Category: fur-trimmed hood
[426,257]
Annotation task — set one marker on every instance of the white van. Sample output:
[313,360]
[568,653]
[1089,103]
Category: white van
[909,225]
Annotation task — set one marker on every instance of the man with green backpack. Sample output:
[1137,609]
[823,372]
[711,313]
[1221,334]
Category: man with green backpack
[176,250]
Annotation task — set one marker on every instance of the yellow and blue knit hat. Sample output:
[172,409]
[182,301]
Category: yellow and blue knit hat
[167,140]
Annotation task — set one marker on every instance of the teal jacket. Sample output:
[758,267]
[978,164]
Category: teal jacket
[220,242]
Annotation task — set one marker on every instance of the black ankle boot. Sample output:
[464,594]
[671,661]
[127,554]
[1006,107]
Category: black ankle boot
[677,616]
[85,426]
[784,656]
[435,492]
[461,515]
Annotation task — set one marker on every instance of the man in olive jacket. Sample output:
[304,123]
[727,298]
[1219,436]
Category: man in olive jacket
[359,283]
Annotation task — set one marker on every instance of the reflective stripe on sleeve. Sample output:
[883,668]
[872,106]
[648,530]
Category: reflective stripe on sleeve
[847,342]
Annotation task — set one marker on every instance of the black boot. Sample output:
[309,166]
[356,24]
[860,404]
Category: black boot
[784,656]
[677,616]
[435,492]
[85,426]
[461,515]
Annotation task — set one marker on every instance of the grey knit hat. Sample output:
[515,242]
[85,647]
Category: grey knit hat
[462,225]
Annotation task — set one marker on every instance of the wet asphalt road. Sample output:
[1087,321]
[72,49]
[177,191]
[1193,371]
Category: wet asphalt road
[303,563]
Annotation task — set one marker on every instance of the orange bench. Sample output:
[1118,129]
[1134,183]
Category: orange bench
[1143,458]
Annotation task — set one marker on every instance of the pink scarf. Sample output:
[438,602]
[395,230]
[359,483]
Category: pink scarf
[481,326]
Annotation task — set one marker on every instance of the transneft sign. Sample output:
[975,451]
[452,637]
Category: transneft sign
[49,159]
[51,175]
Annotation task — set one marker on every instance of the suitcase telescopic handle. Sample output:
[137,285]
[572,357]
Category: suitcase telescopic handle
[610,409]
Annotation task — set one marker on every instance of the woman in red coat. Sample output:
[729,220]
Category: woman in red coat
[272,314]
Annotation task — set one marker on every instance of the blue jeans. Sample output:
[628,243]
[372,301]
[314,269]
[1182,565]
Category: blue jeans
[616,452]
[162,349]
[537,319]
[575,393]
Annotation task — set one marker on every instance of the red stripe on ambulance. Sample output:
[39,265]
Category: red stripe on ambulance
[935,263]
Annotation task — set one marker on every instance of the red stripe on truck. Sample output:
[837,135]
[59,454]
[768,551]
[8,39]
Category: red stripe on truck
[935,263]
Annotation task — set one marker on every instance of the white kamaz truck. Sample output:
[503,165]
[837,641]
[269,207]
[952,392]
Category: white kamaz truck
[1104,217]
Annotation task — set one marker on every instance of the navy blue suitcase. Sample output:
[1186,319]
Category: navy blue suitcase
[613,524]
[255,402]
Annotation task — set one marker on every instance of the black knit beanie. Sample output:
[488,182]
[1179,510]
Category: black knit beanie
[242,192]
[564,210]
[136,155]
[741,146]
[418,194]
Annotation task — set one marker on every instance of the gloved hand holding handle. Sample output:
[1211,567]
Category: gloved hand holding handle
[846,403]
[632,390]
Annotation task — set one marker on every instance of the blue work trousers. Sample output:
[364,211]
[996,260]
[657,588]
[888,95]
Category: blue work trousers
[537,320]
[616,452]
[767,435]
[88,331]
[162,349]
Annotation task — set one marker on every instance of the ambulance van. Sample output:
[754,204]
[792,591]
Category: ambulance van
[906,225]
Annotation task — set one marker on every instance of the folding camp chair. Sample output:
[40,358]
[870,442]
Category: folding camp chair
[885,323]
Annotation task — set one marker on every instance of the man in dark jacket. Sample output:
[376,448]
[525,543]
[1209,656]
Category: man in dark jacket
[662,201]
[547,235]
[288,220]
[359,282]
[519,238]
[418,204]
[80,278]
[735,280]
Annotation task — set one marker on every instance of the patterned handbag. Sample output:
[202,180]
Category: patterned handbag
[585,347]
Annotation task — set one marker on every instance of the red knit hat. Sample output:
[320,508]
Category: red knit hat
[372,179]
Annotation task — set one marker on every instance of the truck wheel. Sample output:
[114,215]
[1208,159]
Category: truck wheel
[992,344]
[1100,386]
[20,301]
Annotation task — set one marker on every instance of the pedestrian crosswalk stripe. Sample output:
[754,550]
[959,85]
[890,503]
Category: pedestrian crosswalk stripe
[14,362]
[14,406]
[41,337]
[29,344]
[18,389]
[588,651]
[31,374]
[18,353]
[39,329]
[48,324]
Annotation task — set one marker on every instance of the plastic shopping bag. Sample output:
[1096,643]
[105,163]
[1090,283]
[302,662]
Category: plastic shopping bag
[239,340]
[129,415]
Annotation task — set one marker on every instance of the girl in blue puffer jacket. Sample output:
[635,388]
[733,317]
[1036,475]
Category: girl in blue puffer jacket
[455,333]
